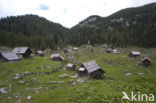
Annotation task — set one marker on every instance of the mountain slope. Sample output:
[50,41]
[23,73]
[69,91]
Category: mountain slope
[132,26]
[31,30]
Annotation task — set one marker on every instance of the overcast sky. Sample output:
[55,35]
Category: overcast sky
[66,12]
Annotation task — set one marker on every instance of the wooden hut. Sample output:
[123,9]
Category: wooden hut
[109,50]
[71,66]
[57,57]
[115,51]
[8,57]
[22,52]
[75,48]
[91,69]
[39,53]
[146,61]
[134,54]
[65,51]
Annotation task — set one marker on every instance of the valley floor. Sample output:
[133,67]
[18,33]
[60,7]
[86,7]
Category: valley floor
[40,78]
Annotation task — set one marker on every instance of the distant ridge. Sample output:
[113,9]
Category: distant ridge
[131,26]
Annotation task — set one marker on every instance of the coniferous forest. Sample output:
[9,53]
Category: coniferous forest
[127,27]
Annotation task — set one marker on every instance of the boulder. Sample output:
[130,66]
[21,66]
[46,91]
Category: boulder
[63,76]
[29,97]
[80,81]
[2,90]
[128,74]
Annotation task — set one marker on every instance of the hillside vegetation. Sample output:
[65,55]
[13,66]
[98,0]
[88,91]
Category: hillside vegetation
[132,26]
[40,78]
[31,30]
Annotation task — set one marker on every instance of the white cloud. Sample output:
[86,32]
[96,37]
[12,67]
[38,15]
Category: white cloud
[66,12]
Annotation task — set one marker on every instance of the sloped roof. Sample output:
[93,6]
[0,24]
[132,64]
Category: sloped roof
[115,50]
[91,66]
[75,48]
[20,50]
[70,65]
[146,58]
[135,53]
[10,56]
[39,52]
[56,55]
[109,49]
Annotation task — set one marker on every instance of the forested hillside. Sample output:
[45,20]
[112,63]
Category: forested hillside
[132,26]
[31,30]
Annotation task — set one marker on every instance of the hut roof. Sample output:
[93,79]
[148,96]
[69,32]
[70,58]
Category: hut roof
[75,48]
[115,50]
[109,49]
[91,66]
[20,50]
[70,65]
[135,53]
[56,56]
[146,58]
[10,56]
[39,52]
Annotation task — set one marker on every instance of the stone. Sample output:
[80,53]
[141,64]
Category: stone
[80,81]
[75,76]
[63,76]
[60,81]
[9,97]
[54,82]
[21,81]
[140,67]
[128,74]
[3,90]
[141,73]
[49,67]
[19,101]
[17,76]
[10,85]
[37,91]
[126,71]
[70,81]
[73,83]
[29,97]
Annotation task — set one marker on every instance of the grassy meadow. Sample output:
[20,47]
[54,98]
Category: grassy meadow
[45,86]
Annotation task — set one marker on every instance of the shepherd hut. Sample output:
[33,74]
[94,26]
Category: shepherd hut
[146,61]
[71,66]
[109,50]
[75,48]
[65,51]
[8,57]
[91,69]
[22,52]
[39,53]
[115,51]
[134,54]
[57,57]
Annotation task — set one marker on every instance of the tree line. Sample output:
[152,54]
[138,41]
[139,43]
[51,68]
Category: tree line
[132,26]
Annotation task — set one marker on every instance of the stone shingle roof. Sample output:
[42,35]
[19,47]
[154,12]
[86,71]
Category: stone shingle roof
[20,50]
[10,56]
[91,66]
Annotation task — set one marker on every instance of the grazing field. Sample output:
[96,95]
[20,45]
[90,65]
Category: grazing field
[36,80]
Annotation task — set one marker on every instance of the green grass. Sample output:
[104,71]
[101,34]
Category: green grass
[42,89]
